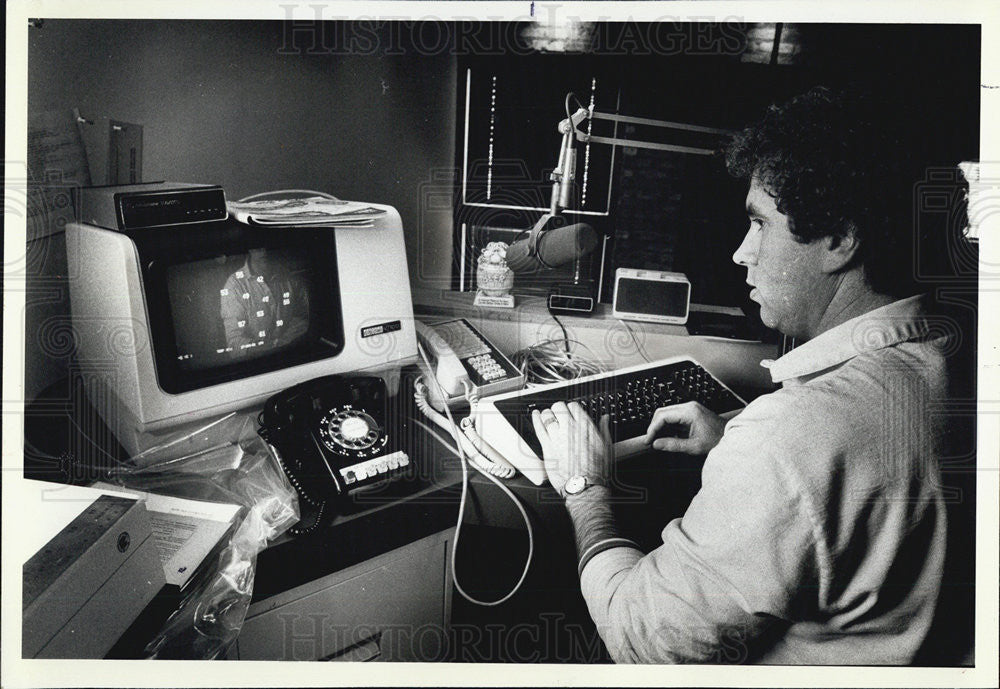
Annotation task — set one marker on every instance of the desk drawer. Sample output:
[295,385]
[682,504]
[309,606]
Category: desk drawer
[393,607]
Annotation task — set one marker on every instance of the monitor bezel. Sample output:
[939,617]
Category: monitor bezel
[160,249]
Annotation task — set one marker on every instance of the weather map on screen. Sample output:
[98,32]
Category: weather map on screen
[239,307]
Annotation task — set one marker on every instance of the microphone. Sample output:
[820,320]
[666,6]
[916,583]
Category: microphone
[565,183]
[551,249]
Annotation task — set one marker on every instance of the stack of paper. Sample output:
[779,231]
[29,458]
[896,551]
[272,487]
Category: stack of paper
[311,211]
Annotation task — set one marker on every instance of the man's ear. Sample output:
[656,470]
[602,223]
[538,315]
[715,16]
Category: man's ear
[840,250]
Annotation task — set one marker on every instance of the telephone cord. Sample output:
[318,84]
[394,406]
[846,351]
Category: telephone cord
[464,461]
[499,465]
[475,447]
[300,491]
[461,512]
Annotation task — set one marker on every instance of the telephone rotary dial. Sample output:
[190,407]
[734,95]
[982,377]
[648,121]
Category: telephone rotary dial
[329,436]
[351,429]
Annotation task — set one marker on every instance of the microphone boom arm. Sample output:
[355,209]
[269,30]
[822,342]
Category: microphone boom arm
[653,145]
[564,173]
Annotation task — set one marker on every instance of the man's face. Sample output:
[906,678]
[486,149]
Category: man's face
[786,276]
[260,261]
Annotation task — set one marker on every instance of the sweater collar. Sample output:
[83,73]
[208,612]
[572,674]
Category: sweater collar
[882,327]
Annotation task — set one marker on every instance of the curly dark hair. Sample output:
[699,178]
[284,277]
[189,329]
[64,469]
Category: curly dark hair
[835,161]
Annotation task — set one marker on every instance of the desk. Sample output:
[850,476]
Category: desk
[378,576]
[735,362]
[395,540]
[335,614]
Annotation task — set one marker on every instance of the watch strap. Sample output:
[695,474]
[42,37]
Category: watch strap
[587,483]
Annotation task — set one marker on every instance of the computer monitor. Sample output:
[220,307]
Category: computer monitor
[182,323]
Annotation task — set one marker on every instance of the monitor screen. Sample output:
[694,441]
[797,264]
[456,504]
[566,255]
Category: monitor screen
[238,301]
[240,307]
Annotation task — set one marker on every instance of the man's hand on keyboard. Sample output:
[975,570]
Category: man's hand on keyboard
[704,429]
[572,444]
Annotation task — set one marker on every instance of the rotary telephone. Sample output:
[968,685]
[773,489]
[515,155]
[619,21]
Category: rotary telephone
[329,436]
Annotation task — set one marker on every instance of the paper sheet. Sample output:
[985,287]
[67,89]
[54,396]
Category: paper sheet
[185,530]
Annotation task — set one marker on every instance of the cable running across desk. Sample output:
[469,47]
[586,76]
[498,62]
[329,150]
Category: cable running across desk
[465,461]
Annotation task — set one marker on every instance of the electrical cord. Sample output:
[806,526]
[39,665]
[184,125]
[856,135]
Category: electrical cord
[563,328]
[572,96]
[638,347]
[437,436]
[456,435]
[552,361]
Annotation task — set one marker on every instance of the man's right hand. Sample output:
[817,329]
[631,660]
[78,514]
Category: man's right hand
[704,428]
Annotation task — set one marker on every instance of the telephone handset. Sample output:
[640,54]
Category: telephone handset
[464,361]
[448,369]
[329,435]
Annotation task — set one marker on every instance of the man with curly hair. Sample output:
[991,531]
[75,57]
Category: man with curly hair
[818,535]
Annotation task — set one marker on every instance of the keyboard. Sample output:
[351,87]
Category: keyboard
[628,396]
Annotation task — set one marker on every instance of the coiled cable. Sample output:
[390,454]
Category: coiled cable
[457,436]
[553,361]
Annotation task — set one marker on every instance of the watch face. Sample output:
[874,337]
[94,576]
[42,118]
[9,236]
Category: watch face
[575,484]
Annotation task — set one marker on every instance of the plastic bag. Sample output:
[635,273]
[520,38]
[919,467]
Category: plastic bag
[223,461]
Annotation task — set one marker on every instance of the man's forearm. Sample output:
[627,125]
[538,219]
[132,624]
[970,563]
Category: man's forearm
[593,520]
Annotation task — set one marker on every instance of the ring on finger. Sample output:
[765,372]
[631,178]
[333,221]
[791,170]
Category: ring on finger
[548,419]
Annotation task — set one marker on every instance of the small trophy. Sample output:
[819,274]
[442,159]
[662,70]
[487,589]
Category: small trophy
[494,278]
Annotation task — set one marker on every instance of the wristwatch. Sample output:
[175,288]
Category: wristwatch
[579,483]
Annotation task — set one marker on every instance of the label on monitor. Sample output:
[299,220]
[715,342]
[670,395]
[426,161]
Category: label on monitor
[381,328]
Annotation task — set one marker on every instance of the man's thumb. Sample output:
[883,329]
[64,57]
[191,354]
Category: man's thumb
[670,444]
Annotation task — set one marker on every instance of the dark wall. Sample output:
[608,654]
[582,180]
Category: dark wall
[240,104]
